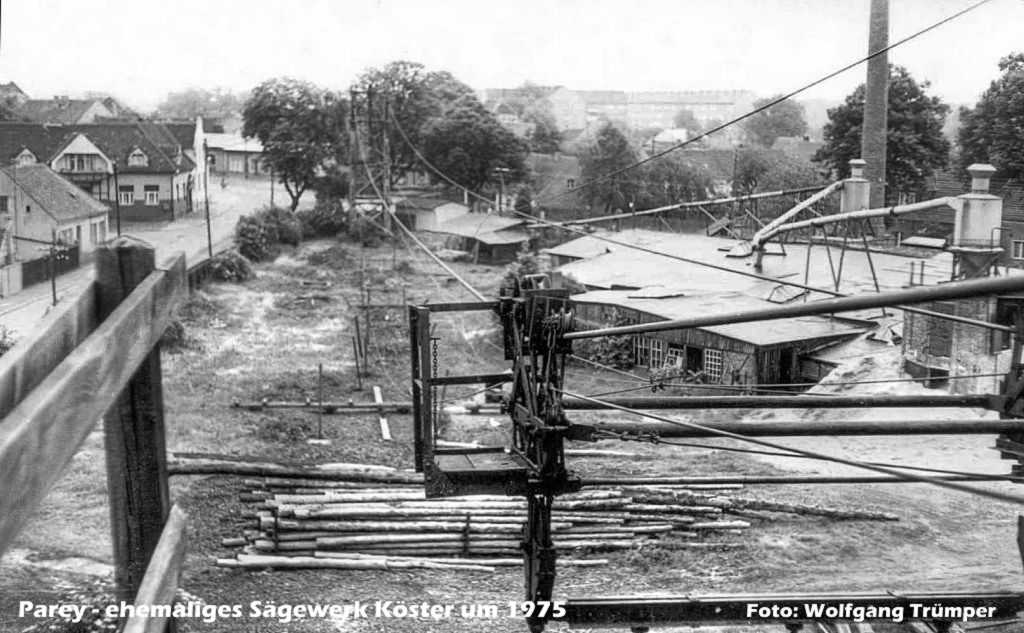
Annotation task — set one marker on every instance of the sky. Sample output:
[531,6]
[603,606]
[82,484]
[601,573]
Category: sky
[139,50]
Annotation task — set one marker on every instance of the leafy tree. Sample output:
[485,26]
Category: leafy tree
[759,169]
[608,152]
[993,130]
[468,144]
[915,147]
[544,137]
[782,119]
[300,127]
[192,102]
[671,179]
[686,120]
[414,97]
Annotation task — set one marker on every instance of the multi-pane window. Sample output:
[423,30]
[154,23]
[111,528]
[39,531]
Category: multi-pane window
[152,194]
[649,352]
[713,364]
[126,194]
[1018,249]
[675,357]
[78,162]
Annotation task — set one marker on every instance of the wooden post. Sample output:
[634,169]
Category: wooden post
[133,429]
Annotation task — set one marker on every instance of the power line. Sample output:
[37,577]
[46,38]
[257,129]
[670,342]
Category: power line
[991,494]
[770,104]
[697,262]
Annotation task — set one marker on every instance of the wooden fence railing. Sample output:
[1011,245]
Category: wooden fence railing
[99,356]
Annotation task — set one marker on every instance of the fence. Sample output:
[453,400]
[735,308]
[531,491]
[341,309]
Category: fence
[99,356]
[36,271]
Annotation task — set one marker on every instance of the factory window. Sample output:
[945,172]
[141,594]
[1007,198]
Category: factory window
[675,357]
[713,364]
[1018,249]
[648,352]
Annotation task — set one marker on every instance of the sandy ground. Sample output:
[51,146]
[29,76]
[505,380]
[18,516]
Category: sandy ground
[266,337]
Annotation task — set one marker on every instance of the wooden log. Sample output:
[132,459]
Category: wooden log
[299,482]
[41,434]
[308,562]
[407,526]
[160,583]
[730,503]
[718,525]
[190,465]
[650,508]
[493,562]
[233,542]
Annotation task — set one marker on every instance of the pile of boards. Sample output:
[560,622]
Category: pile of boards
[381,519]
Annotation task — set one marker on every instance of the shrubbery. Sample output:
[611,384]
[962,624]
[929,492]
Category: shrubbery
[231,266]
[7,340]
[326,219]
[260,235]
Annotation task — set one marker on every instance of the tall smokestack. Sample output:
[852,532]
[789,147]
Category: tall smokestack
[876,103]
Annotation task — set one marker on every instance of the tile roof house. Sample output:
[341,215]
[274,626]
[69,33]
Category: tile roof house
[137,168]
[37,201]
[63,110]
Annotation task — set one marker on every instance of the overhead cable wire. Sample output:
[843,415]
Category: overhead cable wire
[771,103]
[990,494]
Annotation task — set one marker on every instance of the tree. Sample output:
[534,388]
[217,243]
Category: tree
[192,102]
[544,136]
[685,119]
[993,130]
[915,147]
[300,127]
[414,98]
[468,144]
[759,169]
[673,178]
[782,119]
[607,153]
[524,200]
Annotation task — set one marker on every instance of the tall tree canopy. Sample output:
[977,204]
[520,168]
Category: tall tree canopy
[300,127]
[993,130]
[414,97]
[468,144]
[192,102]
[915,147]
[759,169]
[608,152]
[782,119]
[673,178]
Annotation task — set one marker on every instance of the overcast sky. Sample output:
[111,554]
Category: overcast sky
[139,50]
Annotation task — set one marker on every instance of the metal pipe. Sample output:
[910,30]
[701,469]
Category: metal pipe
[693,205]
[956,290]
[766,232]
[769,480]
[820,428]
[863,214]
[784,402]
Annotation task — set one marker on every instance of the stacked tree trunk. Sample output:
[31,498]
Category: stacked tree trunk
[313,522]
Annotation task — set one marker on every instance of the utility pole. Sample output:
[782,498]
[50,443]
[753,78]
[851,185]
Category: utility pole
[876,103]
[117,201]
[206,197]
[386,156]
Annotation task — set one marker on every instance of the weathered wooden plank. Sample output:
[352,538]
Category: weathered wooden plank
[160,584]
[41,434]
[26,364]
[133,429]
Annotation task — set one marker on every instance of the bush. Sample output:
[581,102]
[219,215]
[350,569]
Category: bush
[326,219]
[231,266]
[526,264]
[366,232]
[259,235]
[614,351]
[7,340]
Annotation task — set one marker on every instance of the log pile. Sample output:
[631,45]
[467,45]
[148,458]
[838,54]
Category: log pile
[385,523]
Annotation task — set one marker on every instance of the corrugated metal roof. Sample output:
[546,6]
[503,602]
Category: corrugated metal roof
[761,333]
[476,224]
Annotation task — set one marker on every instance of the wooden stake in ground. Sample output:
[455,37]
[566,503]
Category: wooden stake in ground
[385,430]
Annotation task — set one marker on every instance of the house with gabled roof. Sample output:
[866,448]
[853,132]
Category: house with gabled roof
[139,170]
[36,203]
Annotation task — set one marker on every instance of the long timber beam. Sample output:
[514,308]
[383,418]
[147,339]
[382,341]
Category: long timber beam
[787,402]
[922,294]
[801,428]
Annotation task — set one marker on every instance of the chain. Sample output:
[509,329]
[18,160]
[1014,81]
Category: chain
[433,389]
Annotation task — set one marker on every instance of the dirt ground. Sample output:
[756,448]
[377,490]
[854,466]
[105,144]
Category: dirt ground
[265,338]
